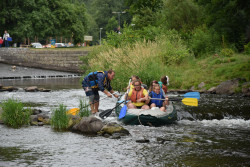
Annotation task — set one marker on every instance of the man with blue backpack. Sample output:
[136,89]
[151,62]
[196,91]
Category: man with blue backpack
[95,81]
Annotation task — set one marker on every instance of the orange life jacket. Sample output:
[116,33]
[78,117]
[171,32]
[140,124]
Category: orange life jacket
[136,95]
[165,88]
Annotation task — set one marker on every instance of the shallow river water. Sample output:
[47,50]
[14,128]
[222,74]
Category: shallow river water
[216,133]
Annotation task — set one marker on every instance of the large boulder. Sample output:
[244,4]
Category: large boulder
[31,89]
[228,87]
[8,88]
[113,130]
[88,125]
[201,85]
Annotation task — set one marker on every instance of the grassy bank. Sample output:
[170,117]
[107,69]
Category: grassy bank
[212,70]
[169,56]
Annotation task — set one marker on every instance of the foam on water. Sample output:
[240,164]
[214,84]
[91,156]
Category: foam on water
[228,123]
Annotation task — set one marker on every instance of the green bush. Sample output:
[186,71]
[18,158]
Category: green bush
[227,52]
[204,41]
[182,15]
[60,119]
[247,48]
[173,50]
[14,114]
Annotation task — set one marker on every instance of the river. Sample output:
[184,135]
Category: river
[216,133]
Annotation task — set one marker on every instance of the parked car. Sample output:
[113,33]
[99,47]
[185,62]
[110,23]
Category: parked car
[59,45]
[69,45]
[36,45]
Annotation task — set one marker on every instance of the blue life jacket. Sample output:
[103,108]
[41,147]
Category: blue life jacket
[158,103]
[93,79]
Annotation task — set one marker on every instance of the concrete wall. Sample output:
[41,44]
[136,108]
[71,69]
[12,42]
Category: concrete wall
[61,60]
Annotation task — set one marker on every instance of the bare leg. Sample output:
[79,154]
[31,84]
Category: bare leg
[92,107]
[145,107]
[163,109]
[152,105]
[131,105]
[96,106]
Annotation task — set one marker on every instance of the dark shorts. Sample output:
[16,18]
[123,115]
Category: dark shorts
[92,94]
[156,105]
[138,107]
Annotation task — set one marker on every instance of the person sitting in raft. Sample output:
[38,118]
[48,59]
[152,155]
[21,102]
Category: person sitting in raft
[157,98]
[154,83]
[138,96]
[163,83]
[133,78]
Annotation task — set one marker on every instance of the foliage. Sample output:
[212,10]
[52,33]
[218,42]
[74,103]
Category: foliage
[145,59]
[204,41]
[173,50]
[227,52]
[247,48]
[101,13]
[228,17]
[84,110]
[182,15]
[43,19]
[129,36]
[60,119]
[112,25]
[14,114]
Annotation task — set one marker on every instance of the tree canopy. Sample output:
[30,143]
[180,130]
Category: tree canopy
[43,18]
[227,20]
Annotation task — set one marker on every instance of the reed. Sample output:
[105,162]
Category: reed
[60,119]
[14,114]
[84,108]
[148,60]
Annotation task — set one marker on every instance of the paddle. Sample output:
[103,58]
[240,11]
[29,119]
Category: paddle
[106,113]
[186,101]
[124,108]
[75,111]
[188,95]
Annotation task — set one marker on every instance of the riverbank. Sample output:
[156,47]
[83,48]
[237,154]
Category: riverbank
[151,61]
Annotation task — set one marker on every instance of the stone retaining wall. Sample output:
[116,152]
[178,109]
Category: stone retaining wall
[61,60]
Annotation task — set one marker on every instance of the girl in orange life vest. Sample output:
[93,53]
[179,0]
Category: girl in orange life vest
[163,83]
[133,78]
[138,96]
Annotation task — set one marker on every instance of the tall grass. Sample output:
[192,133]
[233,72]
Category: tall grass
[60,119]
[84,108]
[14,114]
[148,60]
[168,55]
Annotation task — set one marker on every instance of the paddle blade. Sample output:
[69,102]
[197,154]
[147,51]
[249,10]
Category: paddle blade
[192,95]
[105,113]
[123,112]
[190,101]
[73,111]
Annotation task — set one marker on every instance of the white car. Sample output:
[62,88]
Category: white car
[60,45]
[36,45]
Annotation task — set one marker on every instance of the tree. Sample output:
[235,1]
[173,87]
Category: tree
[182,15]
[228,17]
[43,18]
